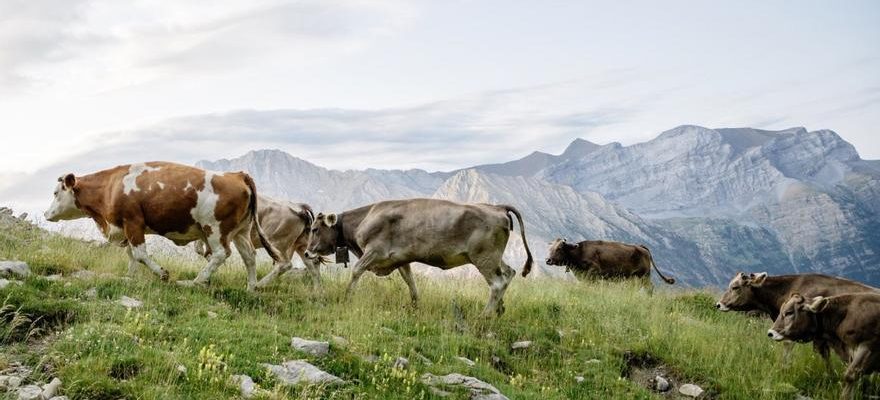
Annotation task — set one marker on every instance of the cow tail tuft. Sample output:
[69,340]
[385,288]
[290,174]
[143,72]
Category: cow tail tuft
[252,210]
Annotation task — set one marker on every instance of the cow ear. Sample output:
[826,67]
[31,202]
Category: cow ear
[797,298]
[758,279]
[330,220]
[68,181]
[817,305]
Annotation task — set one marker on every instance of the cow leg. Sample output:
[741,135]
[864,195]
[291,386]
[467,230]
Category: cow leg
[132,263]
[277,271]
[359,268]
[219,253]
[249,256]
[862,359]
[137,248]
[498,276]
[313,268]
[822,348]
[406,274]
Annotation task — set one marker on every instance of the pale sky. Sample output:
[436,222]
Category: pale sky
[434,85]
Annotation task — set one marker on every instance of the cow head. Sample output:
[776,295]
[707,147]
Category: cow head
[323,233]
[739,295]
[797,318]
[559,253]
[64,204]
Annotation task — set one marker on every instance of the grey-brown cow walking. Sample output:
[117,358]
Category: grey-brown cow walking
[389,235]
[850,323]
[286,226]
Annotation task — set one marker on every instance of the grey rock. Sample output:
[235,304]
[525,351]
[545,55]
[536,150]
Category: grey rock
[4,283]
[312,347]
[401,363]
[83,274]
[370,358]
[521,345]
[211,314]
[129,302]
[423,359]
[51,388]
[13,382]
[593,361]
[295,372]
[91,293]
[466,361]
[579,379]
[690,390]
[245,384]
[479,390]
[54,278]
[339,341]
[660,384]
[60,398]
[17,269]
[30,392]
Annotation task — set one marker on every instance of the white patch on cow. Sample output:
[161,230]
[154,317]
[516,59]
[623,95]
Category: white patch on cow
[161,185]
[188,186]
[63,206]
[722,307]
[775,335]
[204,211]
[129,181]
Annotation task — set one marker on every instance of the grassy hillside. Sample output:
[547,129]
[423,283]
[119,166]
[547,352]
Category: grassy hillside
[101,350]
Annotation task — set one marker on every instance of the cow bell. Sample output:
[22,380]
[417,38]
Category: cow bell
[342,255]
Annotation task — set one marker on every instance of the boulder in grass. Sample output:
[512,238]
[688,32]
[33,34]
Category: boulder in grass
[293,373]
[477,389]
[311,347]
[14,269]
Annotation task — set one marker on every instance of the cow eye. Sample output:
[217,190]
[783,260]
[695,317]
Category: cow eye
[789,313]
[314,230]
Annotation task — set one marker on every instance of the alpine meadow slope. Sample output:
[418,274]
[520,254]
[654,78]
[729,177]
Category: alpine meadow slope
[708,202]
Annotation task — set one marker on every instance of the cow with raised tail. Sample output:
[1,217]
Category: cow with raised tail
[179,202]
[389,235]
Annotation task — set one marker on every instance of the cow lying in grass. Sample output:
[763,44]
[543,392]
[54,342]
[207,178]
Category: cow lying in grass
[179,202]
[849,323]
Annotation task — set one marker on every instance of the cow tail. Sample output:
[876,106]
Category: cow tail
[522,230]
[651,258]
[252,210]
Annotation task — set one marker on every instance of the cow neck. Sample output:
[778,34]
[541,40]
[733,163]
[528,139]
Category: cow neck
[90,195]
[772,294]
[346,226]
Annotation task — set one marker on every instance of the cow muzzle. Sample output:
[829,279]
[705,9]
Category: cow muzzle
[549,261]
[721,307]
[310,255]
[775,335]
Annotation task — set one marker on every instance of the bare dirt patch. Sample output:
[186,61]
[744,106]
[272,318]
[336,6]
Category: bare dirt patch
[644,368]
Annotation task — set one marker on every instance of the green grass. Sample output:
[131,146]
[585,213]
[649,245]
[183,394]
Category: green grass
[102,351]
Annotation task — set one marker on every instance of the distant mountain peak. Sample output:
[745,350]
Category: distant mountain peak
[579,148]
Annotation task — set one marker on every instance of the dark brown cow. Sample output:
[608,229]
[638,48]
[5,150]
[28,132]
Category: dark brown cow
[849,323]
[761,292]
[179,202]
[389,235]
[596,258]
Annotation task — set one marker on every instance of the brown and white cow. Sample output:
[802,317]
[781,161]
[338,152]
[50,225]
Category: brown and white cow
[286,226]
[389,235]
[849,323]
[761,292]
[179,202]
[597,258]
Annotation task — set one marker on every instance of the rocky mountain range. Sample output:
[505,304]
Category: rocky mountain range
[708,202]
